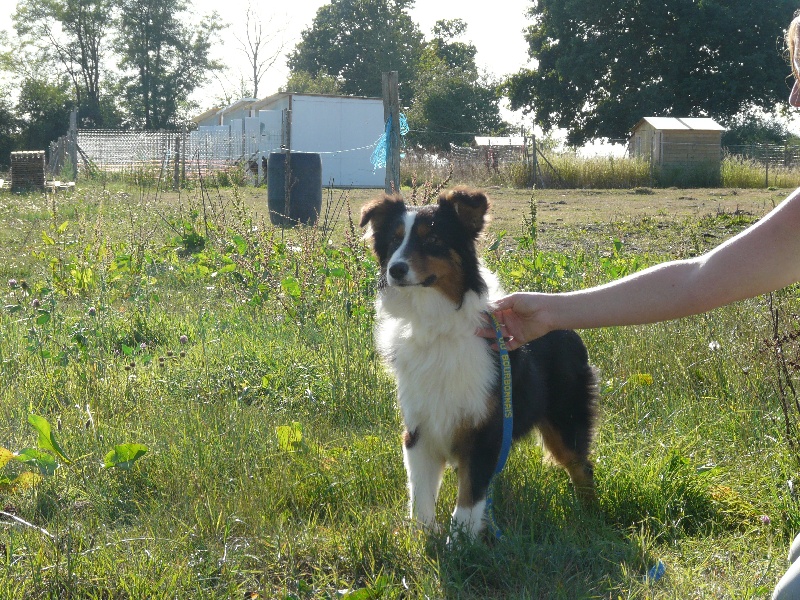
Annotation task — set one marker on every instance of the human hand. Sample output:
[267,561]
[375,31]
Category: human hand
[521,317]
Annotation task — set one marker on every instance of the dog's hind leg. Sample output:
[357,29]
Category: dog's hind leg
[471,504]
[477,452]
[425,471]
[575,461]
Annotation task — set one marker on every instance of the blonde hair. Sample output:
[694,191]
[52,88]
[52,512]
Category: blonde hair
[792,45]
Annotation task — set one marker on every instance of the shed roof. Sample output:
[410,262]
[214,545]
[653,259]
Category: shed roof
[681,124]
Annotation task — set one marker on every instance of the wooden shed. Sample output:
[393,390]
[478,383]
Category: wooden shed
[672,141]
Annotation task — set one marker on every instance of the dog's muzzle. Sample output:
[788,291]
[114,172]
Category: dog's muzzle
[400,274]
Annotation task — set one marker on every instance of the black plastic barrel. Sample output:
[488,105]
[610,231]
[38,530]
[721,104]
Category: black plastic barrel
[305,198]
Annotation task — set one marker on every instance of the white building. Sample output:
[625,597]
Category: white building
[342,129]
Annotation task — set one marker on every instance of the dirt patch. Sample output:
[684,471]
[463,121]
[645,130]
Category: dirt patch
[646,220]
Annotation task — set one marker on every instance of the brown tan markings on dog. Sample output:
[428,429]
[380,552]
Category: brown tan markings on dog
[470,206]
[449,279]
[579,468]
[410,438]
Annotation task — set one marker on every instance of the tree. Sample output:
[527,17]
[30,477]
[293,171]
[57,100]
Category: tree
[165,59]
[300,82]
[750,129]
[44,108]
[452,102]
[356,41]
[457,55]
[71,33]
[9,129]
[257,45]
[604,65]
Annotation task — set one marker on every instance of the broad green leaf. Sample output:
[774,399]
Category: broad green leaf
[291,286]
[640,379]
[47,439]
[290,437]
[229,268]
[25,480]
[497,241]
[63,227]
[43,318]
[47,239]
[241,244]
[373,591]
[127,350]
[43,461]
[5,456]
[124,455]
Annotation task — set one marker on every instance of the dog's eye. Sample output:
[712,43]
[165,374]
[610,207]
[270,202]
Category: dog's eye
[433,243]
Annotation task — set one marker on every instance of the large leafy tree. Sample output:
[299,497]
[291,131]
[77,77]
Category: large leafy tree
[452,102]
[9,128]
[300,82]
[73,34]
[604,64]
[356,41]
[164,58]
[44,108]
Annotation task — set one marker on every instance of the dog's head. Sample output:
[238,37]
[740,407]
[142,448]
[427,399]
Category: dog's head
[431,246]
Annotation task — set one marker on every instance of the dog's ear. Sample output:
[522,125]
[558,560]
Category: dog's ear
[376,211]
[469,205]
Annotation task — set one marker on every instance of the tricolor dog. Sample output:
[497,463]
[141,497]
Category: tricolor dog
[433,295]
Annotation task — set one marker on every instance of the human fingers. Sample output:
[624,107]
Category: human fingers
[504,303]
[490,331]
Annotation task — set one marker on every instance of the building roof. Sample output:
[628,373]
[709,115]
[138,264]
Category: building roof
[256,104]
[203,116]
[681,124]
[278,95]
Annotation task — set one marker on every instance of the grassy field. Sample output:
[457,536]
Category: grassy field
[191,407]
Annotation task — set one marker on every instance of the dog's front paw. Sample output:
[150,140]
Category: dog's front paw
[468,520]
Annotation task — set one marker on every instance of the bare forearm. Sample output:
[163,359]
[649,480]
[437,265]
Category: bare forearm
[663,292]
[763,258]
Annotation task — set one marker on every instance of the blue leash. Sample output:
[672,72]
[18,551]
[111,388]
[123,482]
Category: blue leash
[508,426]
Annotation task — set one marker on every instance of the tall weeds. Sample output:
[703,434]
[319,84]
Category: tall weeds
[568,170]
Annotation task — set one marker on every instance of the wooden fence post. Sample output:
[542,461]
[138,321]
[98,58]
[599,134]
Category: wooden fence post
[391,112]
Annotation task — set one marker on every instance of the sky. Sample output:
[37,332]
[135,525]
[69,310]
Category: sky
[496,32]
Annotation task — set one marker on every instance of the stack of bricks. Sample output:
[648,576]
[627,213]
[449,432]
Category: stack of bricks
[27,170]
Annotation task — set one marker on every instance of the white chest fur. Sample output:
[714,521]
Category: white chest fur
[445,373]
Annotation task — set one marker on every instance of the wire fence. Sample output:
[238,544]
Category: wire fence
[193,154]
[785,155]
[197,153]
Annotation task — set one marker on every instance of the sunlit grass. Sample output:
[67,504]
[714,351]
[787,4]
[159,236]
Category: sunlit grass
[203,333]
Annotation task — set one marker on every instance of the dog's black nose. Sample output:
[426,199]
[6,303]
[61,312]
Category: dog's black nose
[398,270]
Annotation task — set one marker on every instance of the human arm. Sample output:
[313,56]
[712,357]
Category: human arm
[760,259]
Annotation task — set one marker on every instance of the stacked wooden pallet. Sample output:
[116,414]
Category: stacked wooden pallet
[27,169]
